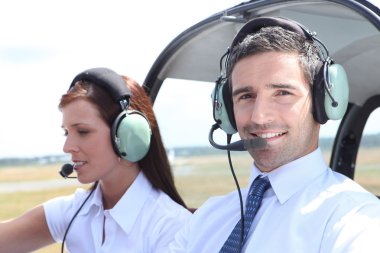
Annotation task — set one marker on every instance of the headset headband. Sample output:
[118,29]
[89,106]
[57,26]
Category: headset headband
[104,77]
[256,24]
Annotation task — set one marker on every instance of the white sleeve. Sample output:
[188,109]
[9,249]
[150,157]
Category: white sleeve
[359,234]
[356,232]
[60,210]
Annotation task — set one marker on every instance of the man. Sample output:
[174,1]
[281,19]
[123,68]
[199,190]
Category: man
[276,82]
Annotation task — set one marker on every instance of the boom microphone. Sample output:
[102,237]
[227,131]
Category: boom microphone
[242,145]
[66,170]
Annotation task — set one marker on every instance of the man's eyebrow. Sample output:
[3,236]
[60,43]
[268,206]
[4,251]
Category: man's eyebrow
[268,86]
[241,90]
[281,86]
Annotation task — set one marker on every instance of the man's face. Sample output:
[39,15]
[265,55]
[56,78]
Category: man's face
[272,99]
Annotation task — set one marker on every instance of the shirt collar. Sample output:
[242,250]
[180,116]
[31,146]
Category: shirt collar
[126,211]
[288,179]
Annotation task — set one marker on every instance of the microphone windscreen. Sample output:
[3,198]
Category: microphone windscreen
[256,143]
[66,170]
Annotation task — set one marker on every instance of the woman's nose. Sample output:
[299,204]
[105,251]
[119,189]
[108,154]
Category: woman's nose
[70,145]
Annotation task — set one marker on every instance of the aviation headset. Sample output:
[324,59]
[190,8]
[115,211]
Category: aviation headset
[130,131]
[330,85]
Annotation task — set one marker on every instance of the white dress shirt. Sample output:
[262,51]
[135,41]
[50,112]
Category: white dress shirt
[144,220]
[309,208]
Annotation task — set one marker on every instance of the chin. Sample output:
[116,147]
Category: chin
[85,180]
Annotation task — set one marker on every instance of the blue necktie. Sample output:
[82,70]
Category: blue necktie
[255,196]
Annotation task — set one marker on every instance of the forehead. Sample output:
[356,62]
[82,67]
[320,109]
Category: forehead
[80,110]
[268,68]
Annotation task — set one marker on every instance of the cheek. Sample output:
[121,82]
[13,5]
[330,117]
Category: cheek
[241,118]
[302,109]
[107,146]
[104,153]
[101,144]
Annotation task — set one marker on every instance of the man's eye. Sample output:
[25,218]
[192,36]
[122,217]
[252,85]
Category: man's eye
[283,93]
[245,96]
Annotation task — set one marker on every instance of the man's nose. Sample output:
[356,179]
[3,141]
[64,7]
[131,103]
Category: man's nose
[262,111]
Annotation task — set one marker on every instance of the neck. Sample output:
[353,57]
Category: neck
[113,189]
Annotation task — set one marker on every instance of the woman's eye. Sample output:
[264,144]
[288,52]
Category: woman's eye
[83,132]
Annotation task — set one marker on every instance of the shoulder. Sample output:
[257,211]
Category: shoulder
[353,208]
[60,210]
[355,220]
[217,209]
[351,193]
[63,204]
[163,207]
[217,200]
[213,217]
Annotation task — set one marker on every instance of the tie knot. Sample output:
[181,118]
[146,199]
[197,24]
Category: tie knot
[259,186]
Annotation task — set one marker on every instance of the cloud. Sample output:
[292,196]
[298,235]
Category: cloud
[25,54]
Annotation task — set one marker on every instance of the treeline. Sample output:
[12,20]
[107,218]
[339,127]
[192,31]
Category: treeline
[324,143]
[49,159]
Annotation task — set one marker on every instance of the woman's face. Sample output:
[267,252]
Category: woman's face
[88,140]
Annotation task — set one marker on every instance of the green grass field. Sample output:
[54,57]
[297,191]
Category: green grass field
[197,178]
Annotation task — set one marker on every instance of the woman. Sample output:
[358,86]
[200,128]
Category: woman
[114,142]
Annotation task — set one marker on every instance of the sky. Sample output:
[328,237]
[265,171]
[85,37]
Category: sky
[44,44]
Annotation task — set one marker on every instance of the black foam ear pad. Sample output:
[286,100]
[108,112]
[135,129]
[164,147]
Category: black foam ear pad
[318,97]
[131,135]
[228,103]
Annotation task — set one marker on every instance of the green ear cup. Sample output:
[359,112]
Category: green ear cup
[133,135]
[220,110]
[339,90]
